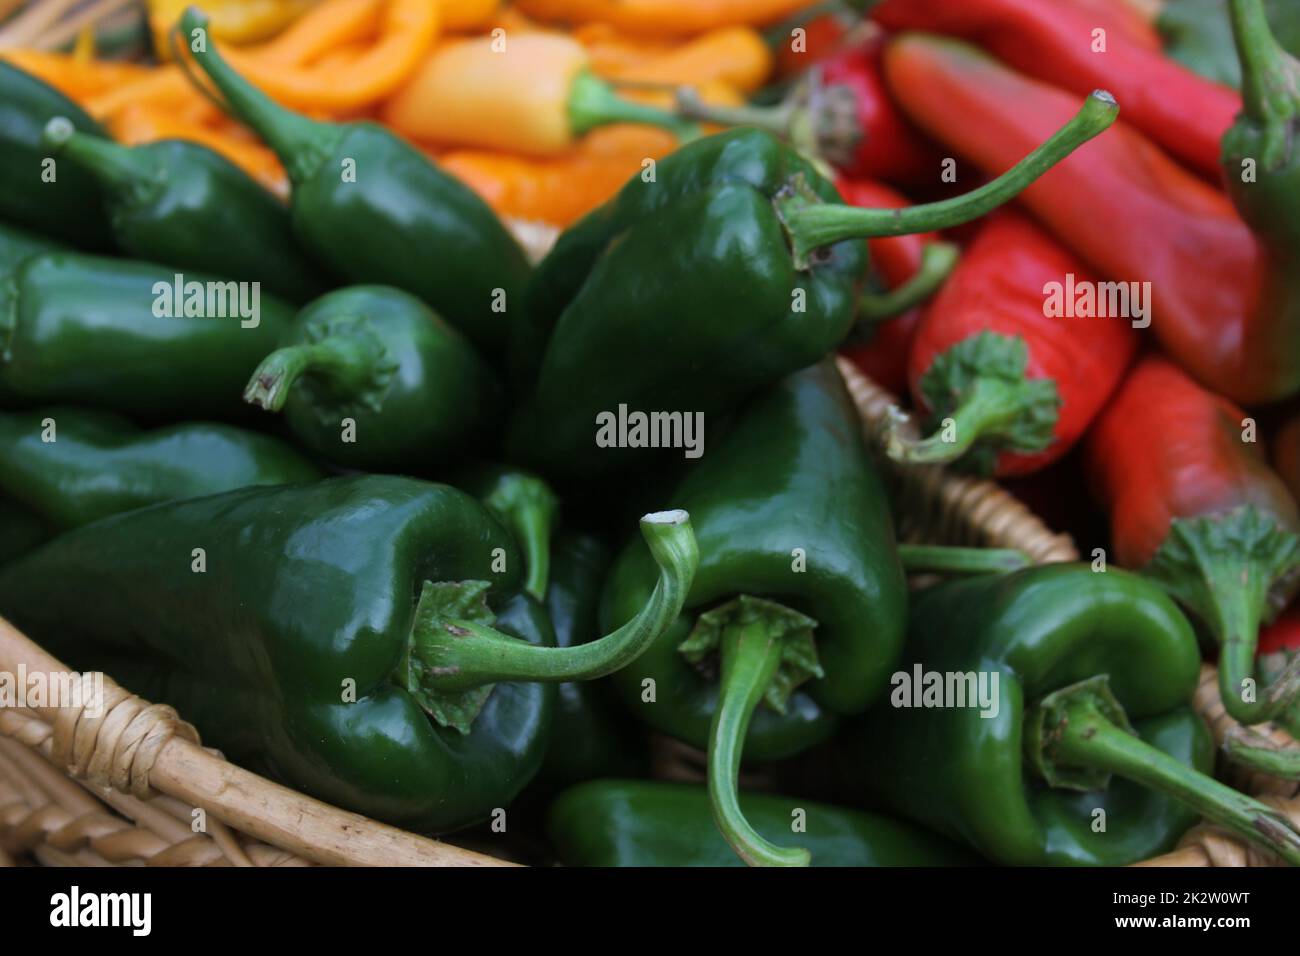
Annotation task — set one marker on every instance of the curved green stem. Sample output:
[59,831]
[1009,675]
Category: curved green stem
[1078,734]
[114,166]
[1269,77]
[1224,568]
[302,144]
[461,654]
[777,119]
[528,508]
[941,559]
[988,407]
[812,225]
[751,649]
[1256,752]
[938,259]
[350,363]
[593,102]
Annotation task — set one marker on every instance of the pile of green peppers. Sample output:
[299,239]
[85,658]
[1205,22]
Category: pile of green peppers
[330,477]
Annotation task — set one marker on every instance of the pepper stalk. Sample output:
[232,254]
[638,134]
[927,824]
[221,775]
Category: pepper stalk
[812,224]
[766,650]
[455,656]
[111,164]
[938,260]
[1270,83]
[1078,736]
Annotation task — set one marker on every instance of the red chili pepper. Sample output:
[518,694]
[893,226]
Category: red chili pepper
[1283,635]
[896,259]
[1195,506]
[847,118]
[1185,113]
[1009,363]
[1124,17]
[1123,206]
[822,36]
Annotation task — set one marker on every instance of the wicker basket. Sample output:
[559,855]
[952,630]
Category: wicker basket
[134,786]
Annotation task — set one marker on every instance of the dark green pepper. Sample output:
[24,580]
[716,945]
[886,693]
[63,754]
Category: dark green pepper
[183,205]
[20,530]
[124,335]
[726,270]
[1021,769]
[592,735]
[336,635]
[35,192]
[73,466]
[788,508]
[369,377]
[637,823]
[373,209]
[525,504]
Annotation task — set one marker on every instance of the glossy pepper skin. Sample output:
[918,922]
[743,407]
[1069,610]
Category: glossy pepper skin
[1185,113]
[327,634]
[15,246]
[72,466]
[183,205]
[1104,206]
[1009,381]
[755,278]
[643,823]
[373,209]
[67,207]
[709,214]
[413,388]
[768,529]
[592,736]
[88,330]
[1194,504]
[1043,631]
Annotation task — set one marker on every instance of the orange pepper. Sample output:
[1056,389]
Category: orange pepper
[611,51]
[517,97]
[141,123]
[736,56]
[664,17]
[466,15]
[408,29]
[77,79]
[164,88]
[323,28]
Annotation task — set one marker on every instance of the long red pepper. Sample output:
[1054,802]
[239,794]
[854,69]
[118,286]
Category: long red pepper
[1194,506]
[881,351]
[1012,361]
[1120,203]
[1185,113]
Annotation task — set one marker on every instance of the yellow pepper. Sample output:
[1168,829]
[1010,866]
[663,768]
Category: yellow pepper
[663,17]
[531,93]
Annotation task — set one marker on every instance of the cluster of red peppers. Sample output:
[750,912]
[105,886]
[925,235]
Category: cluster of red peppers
[1143,291]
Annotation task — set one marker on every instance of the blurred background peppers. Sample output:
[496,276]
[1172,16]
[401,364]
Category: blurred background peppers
[1194,506]
[796,614]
